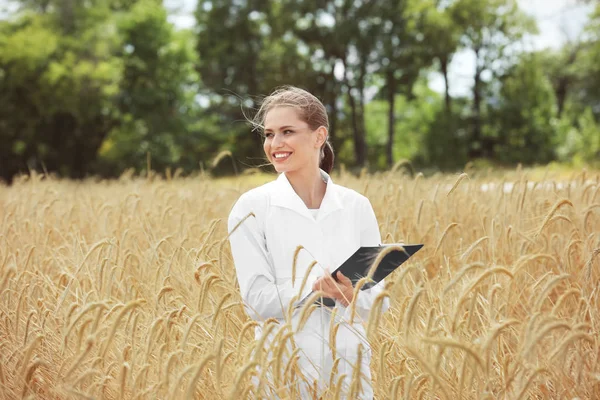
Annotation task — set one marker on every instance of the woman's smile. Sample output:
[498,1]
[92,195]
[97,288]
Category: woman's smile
[281,156]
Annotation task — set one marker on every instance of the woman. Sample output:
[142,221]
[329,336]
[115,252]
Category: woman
[303,207]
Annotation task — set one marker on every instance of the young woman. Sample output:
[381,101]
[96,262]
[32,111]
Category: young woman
[303,207]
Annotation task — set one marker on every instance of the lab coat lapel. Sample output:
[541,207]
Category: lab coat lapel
[331,202]
[285,196]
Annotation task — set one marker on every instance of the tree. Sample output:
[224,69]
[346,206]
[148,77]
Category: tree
[318,29]
[490,28]
[442,36]
[245,50]
[402,54]
[79,79]
[56,90]
[587,92]
[350,35]
[523,115]
[580,143]
[417,112]
[156,94]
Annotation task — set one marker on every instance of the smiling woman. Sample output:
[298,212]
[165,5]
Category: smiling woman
[278,231]
[288,118]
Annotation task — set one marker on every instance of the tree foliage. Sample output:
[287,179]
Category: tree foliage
[56,90]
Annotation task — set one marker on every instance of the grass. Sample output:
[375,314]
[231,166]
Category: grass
[125,289]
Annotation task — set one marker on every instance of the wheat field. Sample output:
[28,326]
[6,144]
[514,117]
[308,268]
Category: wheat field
[125,289]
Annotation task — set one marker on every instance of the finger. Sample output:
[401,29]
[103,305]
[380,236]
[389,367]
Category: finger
[326,285]
[337,290]
[333,288]
[330,280]
[344,279]
[318,283]
[338,287]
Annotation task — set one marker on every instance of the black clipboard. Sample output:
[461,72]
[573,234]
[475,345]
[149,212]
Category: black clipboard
[358,265]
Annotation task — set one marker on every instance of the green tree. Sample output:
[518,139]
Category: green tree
[316,27]
[109,78]
[402,55]
[442,39]
[445,142]
[523,115]
[246,49]
[490,29]
[344,34]
[581,142]
[588,91]
[56,90]
[574,72]
[156,96]
[416,113]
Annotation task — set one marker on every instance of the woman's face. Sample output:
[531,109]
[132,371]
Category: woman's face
[289,143]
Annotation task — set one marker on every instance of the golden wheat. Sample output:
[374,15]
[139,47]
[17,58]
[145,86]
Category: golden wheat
[126,289]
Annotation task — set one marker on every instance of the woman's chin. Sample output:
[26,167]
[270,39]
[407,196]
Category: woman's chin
[281,167]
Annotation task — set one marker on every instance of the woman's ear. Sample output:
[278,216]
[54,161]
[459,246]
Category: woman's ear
[321,136]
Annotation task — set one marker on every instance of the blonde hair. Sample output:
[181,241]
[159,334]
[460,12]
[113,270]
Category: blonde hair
[310,110]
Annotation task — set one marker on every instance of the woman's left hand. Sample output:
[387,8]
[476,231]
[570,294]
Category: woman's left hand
[343,291]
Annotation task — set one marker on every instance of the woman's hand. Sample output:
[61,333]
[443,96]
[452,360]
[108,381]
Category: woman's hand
[343,291]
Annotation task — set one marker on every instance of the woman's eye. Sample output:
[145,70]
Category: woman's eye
[287,131]
[268,135]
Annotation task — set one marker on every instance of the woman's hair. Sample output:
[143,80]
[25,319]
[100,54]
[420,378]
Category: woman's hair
[310,110]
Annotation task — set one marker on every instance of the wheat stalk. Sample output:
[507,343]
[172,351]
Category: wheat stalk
[455,344]
[553,210]
[448,228]
[460,178]
[128,306]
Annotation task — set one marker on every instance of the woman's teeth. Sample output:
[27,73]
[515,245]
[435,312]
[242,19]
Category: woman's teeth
[281,156]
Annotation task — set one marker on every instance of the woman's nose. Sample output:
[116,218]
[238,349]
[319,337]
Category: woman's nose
[277,140]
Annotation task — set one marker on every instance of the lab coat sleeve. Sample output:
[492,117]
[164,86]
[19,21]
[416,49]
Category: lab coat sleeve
[369,236]
[262,297]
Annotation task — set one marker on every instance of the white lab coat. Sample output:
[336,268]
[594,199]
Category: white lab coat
[263,248]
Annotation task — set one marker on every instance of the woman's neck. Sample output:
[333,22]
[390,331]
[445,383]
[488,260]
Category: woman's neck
[309,185]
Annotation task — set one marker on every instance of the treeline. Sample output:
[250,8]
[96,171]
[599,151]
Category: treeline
[99,86]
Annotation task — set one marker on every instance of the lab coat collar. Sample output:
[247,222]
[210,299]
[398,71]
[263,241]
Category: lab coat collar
[285,196]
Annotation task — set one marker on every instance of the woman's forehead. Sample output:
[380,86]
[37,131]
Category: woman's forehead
[280,117]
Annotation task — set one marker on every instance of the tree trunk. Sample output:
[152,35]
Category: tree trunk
[331,93]
[477,151]
[561,94]
[358,143]
[359,140]
[67,15]
[361,115]
[444,67]
[391,88]
[562,88]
